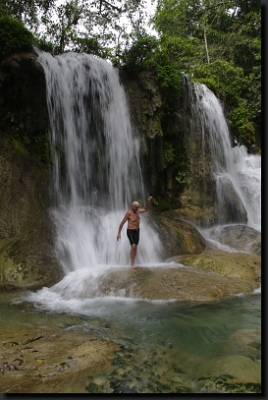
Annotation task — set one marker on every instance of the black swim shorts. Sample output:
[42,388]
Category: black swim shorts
[133,235]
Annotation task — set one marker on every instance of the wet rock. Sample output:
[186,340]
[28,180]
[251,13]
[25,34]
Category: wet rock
[54,362]
[240,237]
[27,257]
[236,265]
[178,236]
[28,262]
[179,282]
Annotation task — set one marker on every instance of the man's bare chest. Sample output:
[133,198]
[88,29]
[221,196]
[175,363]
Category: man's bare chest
[134,217]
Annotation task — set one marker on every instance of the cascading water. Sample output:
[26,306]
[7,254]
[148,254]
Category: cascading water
[237,174]
[96,167]
[96,177]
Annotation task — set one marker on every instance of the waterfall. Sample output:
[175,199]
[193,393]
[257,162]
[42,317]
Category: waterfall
[237,173]
[96,169]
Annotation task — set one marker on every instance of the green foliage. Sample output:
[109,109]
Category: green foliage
[141,54]
[18,146]
[181,177]
[163,57]
[221,75]
[242,125]
[42,44]
[168,153]
[220,47]
[26,11]
[89,46]
[169,77]
[14,36]
[254,82]
[171,17]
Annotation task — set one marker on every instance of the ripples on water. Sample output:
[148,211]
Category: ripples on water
[157,336]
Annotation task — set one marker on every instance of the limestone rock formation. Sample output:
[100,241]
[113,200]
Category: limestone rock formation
[173,283]
[178,236]
[240,237]
[27,230]
[239,265]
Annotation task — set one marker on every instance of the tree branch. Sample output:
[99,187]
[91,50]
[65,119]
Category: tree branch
[215,6]
[109,6]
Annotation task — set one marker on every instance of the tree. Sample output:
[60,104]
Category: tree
[61,30]
[63,27]
[13,36]
[99,21]
[226,35]
[26,11]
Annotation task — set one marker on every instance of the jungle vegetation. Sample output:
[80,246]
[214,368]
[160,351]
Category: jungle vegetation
[215,42]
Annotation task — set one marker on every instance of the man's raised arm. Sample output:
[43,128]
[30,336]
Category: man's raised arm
[141,210]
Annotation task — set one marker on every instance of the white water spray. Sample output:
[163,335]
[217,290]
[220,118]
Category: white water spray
[96,170]
[237,174]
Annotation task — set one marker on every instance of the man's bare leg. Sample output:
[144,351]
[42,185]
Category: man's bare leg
[133,252]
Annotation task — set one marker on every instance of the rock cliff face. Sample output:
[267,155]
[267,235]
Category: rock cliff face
[193,198]
[27,256]
[23,110]
[145,102]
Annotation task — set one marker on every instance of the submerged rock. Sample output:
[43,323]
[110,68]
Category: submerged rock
[244,342]
[234,369]
[58,362]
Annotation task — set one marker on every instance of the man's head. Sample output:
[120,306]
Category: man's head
[135,205]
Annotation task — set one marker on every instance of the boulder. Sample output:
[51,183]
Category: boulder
[178,236]
[240,237]
[172,283]
[28,262]
[236,265]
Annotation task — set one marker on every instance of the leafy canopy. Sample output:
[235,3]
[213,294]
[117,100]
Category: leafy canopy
[13,36]
[213,41]
[223,51]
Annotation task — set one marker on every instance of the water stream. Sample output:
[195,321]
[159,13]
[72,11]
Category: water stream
[165,346]
[237,173]
[100,175]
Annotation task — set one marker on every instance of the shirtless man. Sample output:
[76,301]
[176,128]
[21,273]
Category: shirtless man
[133,229]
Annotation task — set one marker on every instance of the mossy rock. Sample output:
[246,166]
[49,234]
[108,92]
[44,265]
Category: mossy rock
[28,262]
[238,265]
[178,236]
[175,204]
